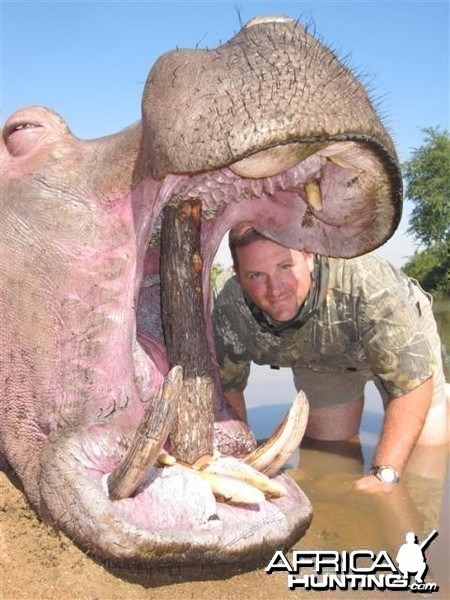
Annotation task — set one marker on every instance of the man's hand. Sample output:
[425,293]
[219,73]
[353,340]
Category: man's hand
[372,485]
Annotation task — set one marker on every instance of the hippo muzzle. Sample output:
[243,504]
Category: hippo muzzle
[112,413]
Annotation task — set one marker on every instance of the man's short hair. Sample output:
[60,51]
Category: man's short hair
[242,235]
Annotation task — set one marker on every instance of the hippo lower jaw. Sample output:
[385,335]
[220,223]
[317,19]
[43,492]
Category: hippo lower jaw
[173,519]
[176,516]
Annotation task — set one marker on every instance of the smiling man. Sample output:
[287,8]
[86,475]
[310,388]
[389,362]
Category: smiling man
[337,323]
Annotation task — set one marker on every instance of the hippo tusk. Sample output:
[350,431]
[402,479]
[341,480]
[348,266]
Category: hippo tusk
[149,439]
[270,457]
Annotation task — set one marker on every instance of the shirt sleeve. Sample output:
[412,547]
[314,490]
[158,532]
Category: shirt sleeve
[232,356]
[391,330]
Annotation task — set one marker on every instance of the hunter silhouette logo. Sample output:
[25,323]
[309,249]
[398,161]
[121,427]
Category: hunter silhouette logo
[359,569]
[410,557]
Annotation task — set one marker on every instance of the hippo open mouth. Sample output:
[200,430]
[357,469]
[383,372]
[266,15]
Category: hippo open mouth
[112,412]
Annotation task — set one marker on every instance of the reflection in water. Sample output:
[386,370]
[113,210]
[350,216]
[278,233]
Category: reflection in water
[343,518]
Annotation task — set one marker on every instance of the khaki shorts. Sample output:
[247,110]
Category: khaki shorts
[327,386]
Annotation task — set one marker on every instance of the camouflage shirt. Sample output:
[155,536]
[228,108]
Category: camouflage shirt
[368,321]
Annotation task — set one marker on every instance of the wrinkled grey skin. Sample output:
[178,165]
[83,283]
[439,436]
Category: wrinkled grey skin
[243,127]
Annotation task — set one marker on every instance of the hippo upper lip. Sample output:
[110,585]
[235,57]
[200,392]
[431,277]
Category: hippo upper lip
[343,170]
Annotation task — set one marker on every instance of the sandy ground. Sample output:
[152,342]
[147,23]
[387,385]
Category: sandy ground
[38,563]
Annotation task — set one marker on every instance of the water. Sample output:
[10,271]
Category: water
[343,518]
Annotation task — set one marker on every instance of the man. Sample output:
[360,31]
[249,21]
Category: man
[337,323]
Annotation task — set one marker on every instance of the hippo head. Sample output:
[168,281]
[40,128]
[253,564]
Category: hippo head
[111,411]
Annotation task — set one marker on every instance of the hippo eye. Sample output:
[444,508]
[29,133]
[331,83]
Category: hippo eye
[18,126]
[15,135]
[24,126]
[32,127]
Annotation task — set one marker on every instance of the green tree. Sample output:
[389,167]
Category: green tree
[427,177]
[431,268]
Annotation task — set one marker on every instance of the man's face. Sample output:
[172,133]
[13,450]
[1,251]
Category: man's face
[276,278]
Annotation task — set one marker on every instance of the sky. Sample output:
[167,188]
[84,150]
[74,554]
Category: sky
[89,60]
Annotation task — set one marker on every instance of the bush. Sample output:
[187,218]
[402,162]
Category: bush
[431,268]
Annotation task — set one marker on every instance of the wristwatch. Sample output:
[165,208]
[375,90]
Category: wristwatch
[385,474]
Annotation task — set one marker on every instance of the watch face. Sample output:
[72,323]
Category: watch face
[387,475]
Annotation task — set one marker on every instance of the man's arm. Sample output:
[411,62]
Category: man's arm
[403,422]
[237,401]
[232,354]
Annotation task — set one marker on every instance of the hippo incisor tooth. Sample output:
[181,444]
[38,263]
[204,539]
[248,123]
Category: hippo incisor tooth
[260,481]
[273,454]
[231,489]
[148,440]
[313,194]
